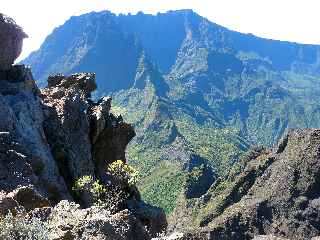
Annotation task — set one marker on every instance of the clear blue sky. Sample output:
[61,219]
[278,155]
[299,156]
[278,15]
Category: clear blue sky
[293,20]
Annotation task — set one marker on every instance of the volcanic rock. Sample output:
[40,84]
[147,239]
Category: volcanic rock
[11,38]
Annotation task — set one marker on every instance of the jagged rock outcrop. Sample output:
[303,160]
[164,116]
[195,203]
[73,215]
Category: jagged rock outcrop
[25,156]
[50,139]
[67,126]
[11,37]
[85,137]
[48,145]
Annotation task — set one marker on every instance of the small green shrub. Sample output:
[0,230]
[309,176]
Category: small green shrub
[113,194]
[88,184]
[123,171]
[83,182]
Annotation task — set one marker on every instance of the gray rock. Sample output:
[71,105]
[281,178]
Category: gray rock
[68,136]
[109,136]
[25,156]
[99,117]
[67,127]
[29,198]
[11,37]
[68,221]
[16,80]
[153,218]
[83,135]
[82,81]
[111,143]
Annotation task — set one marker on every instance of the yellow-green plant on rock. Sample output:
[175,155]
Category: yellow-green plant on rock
[88,184]
[124,171]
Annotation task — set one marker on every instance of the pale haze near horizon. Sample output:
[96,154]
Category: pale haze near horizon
[294,20]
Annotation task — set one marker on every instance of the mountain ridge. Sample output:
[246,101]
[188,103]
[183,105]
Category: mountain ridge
[122,21]
[195,91]
[63,166]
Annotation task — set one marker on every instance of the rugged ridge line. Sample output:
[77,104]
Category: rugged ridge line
[273,192]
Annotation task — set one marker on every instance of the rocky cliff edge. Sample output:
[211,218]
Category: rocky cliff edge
[51,139]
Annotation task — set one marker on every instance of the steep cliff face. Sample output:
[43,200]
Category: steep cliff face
[51,139]
[282,196]
[271,192]
[25,153]
[77,45]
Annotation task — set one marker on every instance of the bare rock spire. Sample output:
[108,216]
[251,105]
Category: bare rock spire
[11,38]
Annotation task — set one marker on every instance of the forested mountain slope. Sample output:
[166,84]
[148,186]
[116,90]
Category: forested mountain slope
[197,93]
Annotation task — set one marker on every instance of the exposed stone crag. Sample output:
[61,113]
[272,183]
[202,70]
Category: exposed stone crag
[51,139]
[11,37]
[85,137]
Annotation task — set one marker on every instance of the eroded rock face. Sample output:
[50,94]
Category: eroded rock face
[25,156]
[67,128]
[82,81]
[11,37]
[276,194]
[85,138]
